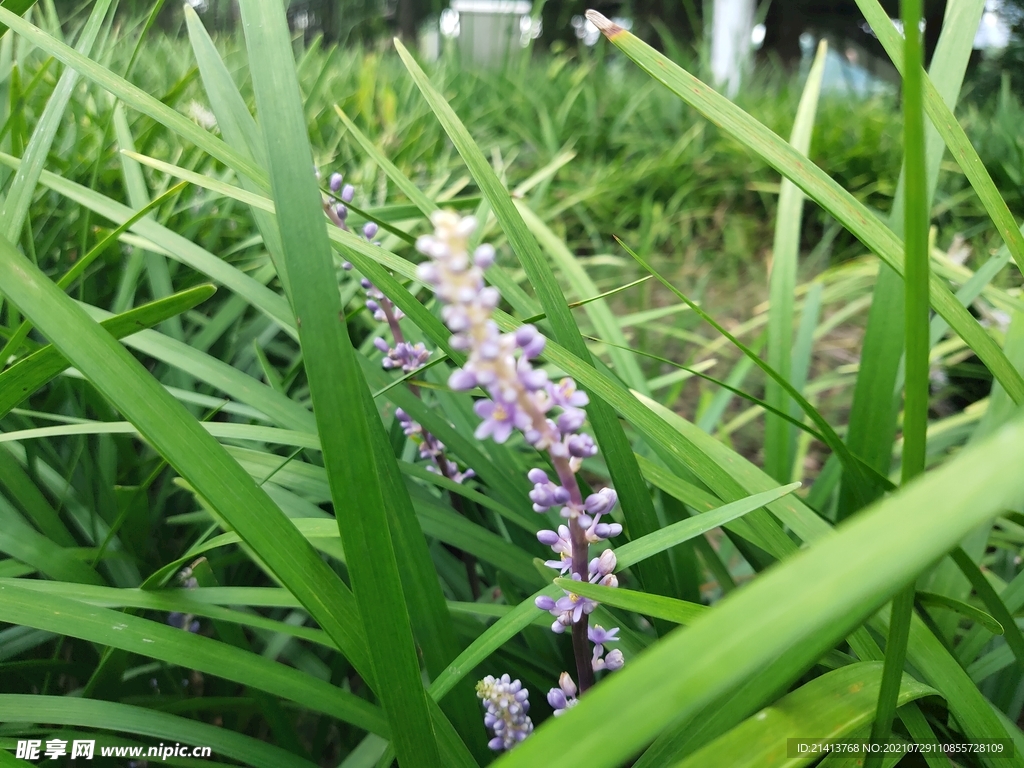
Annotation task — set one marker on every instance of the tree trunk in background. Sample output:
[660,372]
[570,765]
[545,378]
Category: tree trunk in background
[731,26]
[408,19]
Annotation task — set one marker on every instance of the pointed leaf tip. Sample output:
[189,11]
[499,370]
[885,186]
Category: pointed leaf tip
[602,22]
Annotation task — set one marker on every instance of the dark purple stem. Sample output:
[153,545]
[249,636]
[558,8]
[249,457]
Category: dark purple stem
[580,561]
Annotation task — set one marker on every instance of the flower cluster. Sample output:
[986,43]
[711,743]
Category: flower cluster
[549,415]
[432,449]
[403,355]
[506,704]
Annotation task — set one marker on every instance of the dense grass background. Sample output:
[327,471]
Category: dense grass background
[591,148]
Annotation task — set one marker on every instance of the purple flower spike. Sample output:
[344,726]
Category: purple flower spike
[498,420]
[506,704]
[370,229]
[347,193]
[335,182]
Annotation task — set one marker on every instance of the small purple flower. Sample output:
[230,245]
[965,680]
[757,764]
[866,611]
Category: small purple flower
[600,636]
[341,211]
[498,420]
[347,193]
[534,379]
[335,182]
[370,229]
[561,545]
[563,697]
[573,607]
[565,394]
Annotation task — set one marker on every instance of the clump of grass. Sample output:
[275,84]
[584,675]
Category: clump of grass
[213,513]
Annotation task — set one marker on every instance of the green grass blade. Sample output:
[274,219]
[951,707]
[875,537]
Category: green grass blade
[32,608]
[642,549]
[196,456]
[19,194]
[797,599]
[656,606]
[403,182]
[853,468]
[778,440]
[598,311]
[339,391]
[917,388]
[874,412]
[636,501]
[964,609]
[817,185]
[21,541]
[79,267]
[132,96]
[992,601]
[833,706]
[31,373]
[125,718]
[950,130]
[23,492]
[178,247]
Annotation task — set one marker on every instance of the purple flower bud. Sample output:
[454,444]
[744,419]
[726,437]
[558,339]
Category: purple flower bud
[602,502]
[347,266]
[557,700]
[462,380]
[530,340]
[537,475]
[533,379]
[570,420]
[347,193]
[581,446]
[335,182]
[604,531]
[483,256]
[382,345]
[370,230]
[549,538]
[613,660]
[341,211]
[544,602]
